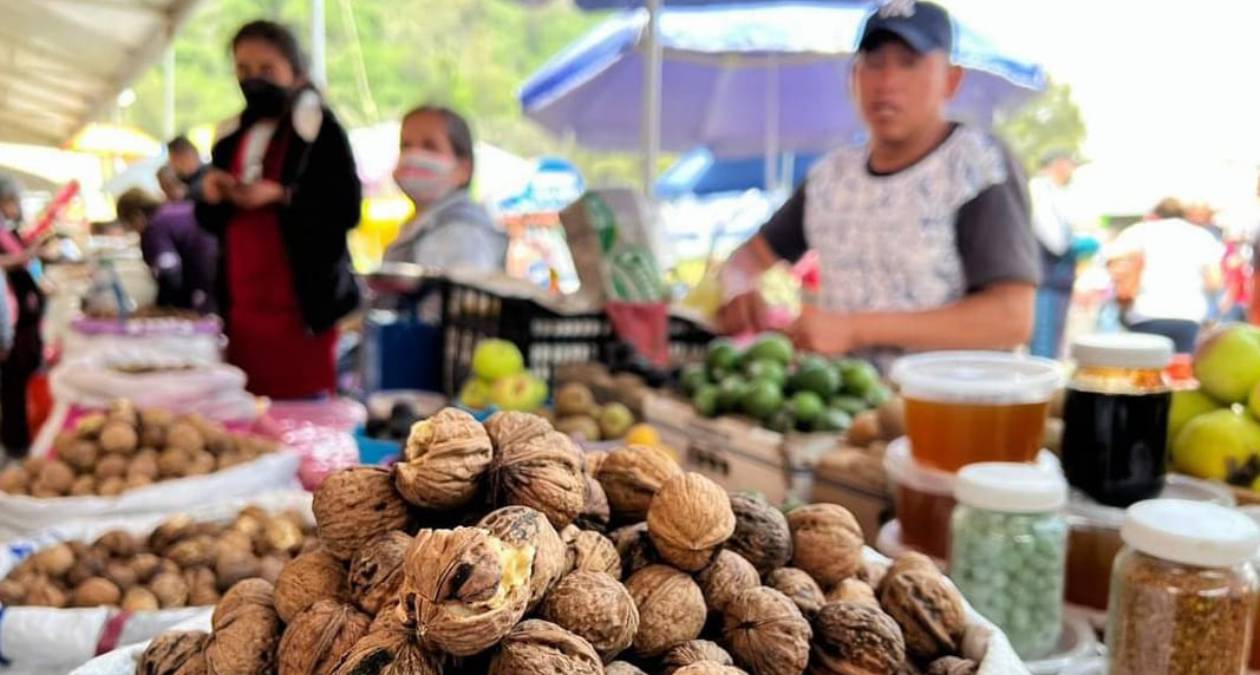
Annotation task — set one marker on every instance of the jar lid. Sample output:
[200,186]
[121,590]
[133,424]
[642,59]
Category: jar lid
[904,470]
[1191,533]
[1176,486]
[1007,487]
[989,378]
[1123,350]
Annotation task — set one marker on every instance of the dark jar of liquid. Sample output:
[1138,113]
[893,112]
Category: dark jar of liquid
[1115,418]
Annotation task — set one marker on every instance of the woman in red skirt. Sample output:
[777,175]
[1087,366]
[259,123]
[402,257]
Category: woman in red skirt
[281,197]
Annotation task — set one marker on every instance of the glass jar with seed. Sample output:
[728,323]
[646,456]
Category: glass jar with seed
[1183,591]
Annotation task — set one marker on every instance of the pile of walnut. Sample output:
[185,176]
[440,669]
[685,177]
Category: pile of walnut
[501,550]
[182,563]
[112,452]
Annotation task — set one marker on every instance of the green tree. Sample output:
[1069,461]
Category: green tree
[1048,123]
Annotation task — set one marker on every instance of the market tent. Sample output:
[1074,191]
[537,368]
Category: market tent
[699,172]
[65,61]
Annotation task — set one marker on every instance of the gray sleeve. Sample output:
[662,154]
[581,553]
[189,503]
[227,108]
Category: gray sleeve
[785,231]
[995,237]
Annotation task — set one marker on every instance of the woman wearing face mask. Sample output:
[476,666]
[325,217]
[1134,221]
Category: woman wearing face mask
[281,196]
[435,167]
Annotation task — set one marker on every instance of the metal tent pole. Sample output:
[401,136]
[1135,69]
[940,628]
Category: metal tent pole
[319,37]
[168,92]
[650,129]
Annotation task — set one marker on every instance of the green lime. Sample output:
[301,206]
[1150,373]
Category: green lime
[762,400]
[705,400]
[764,369]
[731,391]
[807,406]
[850,404]
[723,357]
[693,376]
[832,420]
[860,378]
[771,347]
[878,395]
[816,375]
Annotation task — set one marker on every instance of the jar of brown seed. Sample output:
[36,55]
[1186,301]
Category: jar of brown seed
[1183,591]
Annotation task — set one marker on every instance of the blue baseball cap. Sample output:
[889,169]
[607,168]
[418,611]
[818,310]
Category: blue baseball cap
[924,26]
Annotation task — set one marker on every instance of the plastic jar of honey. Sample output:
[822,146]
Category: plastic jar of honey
[968,407]
[1115,418]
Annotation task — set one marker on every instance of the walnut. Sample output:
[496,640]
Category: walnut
[232,565]
[799,587]
[510,427]
[537,647]
[122,410]
[389,648]
[726,576]
[201,464]
[521,527]
[309,578]
[622,668]
[144,463]
[671,608]
[171,590]
[708,668]
[89,426]
[592,460]
[120,574]
[356,505]
[596,607]
[443,461]
[55,560]
[185,436]
[111,487]
[271,567]
[174,529]
[203,588]
[928,608]
[56,476]
[118,543]
[376,571]
[90,563]
[766,632]
[12,592]
[14,480]
[246,631]
[95,592]
[856,638]
[174,463]
[761,533]
[174,653]
[592,552]
[464,589]
[139,599]
[195,552]
[855,591]
[42,592]
[827,542]
[904,563]
[595,513]
[632,475]
[282,534]
[83,486]
[79,454]
[119,437]
[110,466]
[317,639]
[694,651]
[153,425]
[689,519]
[634,545]
[144,566]
[544,472]
[952,665]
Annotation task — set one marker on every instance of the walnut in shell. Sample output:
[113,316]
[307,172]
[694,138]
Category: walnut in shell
[232,565]
[42,592]
[632,475]
[544,473]
[622,668]
[83,486]
[389,648]
[537,647]
[246,631]
[511,427]
[311,577]
[110,466]
[111,487]
[708,668]
[853,590]
[55,476]
[174,653]
[689,520]
[171,590]
[14,480]
[799,587]
[139,599]
[376,571]
[761,533]
[671,609]
[12,592]
[634,545]
[952,665]
[320,636]
[521,527]
[120,574]
[197,551]
[856,638]
[355,506]
[79,454]
[118,543]
[695,651]
[596,607]
[592,552]
[54,560]
[464,589]
[95,592]
[185,436]
[726,576]
[767,633]
[827,542]
[443,461]
[119,437]
[282,533]
[928,608]
[203,589]
[595,511]
[144,566]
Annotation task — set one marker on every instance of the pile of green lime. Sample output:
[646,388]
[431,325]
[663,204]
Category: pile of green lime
[769,382]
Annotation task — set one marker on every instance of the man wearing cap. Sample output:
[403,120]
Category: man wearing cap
[923,235]
[1059,250]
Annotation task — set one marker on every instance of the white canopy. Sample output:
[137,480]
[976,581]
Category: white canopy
[63,62]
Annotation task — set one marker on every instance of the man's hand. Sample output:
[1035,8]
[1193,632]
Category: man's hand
[743,313]
[216,186]
[823,332]
[257,194]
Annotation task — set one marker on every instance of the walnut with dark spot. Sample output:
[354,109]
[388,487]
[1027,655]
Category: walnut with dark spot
[635,547]
[595,511]
[319,637]
[761,533]
[376,571]
[928,608]
[856,638]
[174,653]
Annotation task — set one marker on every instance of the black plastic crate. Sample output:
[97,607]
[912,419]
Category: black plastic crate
[688,341]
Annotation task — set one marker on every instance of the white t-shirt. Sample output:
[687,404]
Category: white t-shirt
[1177,256]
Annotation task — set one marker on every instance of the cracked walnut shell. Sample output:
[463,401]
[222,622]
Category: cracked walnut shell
[928,608]
[354,506]
[632,475]
[761,533]
[309,578]
[856,638]
[444,461]
[725,577]
[174,653]
[316,640]
[464,589]
[689,520]
[767,633]
[596,607]
[826,542]
[537,647]
[376,571]
[671,609]
[522,526]
[544,473]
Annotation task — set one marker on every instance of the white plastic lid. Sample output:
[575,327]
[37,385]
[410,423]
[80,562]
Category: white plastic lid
[1191,533]
[1123,350]
[904,470]
[1007,487]
[991,378]
[1176,486]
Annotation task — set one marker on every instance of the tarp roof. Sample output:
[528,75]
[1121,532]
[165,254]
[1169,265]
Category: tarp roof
[63,62]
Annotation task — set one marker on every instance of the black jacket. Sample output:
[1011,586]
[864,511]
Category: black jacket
[323,206]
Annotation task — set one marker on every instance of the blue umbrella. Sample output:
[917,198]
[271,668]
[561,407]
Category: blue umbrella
[699,172]
[747,80]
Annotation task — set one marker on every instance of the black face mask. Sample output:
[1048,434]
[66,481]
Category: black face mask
[263,98]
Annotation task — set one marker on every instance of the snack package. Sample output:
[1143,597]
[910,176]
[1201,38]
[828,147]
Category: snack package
[612,239]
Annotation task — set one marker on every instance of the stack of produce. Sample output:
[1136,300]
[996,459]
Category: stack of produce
[111,452]
[860,461]
[499,379]
[767,382]
[580,415]
[487,549]
[182,563]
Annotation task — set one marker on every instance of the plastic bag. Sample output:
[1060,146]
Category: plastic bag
[321,432]
[45,640]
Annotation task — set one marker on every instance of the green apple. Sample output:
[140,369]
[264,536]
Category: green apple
[615,420]
[475,394]
[522,392]
[1188,404]
[1216,444]
[1227,364]
[495,359]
